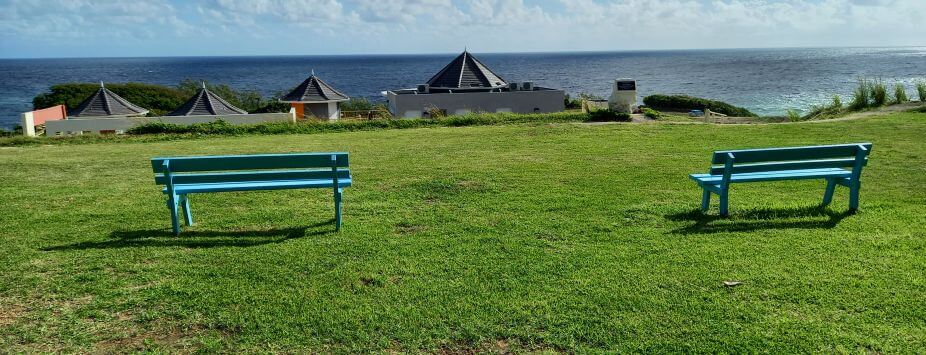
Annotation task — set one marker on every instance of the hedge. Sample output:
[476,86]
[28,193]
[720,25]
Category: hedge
[686,103]
[221,127]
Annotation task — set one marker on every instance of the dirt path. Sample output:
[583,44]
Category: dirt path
[875,112]
[638,118]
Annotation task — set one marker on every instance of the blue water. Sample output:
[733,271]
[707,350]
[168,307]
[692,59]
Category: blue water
[767,81]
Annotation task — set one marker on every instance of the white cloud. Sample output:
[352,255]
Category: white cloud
[484,25]
[407,11]
[77,19]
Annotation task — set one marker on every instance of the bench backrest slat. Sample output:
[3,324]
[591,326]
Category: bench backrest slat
[241,176]
[249,162]
[745,156]
[793,158]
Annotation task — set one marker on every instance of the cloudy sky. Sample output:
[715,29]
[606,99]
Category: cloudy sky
[103,28]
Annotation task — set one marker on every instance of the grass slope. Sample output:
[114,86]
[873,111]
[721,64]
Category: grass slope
[563,237]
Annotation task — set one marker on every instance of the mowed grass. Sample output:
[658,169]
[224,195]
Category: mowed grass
[534,237]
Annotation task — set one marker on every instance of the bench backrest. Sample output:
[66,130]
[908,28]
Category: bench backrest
[261,167]
[853,156]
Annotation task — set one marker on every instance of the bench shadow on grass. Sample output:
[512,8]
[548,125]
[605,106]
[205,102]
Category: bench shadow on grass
[811,217]
[199,239]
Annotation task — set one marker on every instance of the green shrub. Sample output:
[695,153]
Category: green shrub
[837,103]
[794,115]
[317,126]
[878,93]
[570,103]
[824,111]
[272,106]
[861,97]
[608,115]
[900,94]
[434,112]
[921,90]
[360,104]
[686,103]
[651,113]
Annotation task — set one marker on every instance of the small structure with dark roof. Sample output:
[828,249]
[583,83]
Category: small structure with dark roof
[467,85]
[315,98]
[466,72]
[105,103]
[206,103]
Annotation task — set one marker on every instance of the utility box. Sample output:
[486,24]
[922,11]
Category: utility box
[623,95]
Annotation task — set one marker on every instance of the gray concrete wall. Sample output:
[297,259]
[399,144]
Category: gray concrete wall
[120,125]
[414,105]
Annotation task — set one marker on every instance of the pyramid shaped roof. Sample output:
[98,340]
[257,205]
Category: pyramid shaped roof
[105,103]
[314,90]
[206,103]
[465,71]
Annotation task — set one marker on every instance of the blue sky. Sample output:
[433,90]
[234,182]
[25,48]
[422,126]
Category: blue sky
[105,28]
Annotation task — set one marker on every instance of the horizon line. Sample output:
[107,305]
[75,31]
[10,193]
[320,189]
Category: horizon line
[452,53]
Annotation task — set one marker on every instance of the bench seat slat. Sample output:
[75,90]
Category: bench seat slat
[182,189]
[262,175]
[789,165]
[774,175]
[249,162]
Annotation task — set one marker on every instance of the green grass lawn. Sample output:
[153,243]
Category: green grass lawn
[547,237]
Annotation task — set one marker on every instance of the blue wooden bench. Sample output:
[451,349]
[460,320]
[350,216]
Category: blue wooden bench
[827,162]
[183,176]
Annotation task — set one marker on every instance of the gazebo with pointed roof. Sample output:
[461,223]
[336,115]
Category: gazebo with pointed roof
[206,103]
[105,103]
[466,72]
[315,98]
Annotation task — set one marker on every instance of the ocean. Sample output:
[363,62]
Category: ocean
[766,81]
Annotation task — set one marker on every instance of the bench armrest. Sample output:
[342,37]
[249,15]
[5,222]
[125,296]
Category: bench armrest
[334,171]
[860,156]
[168,177]
[728,169]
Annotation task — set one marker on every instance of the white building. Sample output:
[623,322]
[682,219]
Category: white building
[466,85]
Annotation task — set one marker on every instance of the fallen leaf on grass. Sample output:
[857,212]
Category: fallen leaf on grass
[732,283]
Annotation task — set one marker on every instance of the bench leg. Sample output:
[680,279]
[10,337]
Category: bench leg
[187,213]
[853,195]
[830,188]
[174,216]
[724,203]
[705,200]
[337,208]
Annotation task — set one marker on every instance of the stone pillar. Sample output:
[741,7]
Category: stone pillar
[28,123]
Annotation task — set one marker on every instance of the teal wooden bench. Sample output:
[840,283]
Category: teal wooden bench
[183,176]
[829,162]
